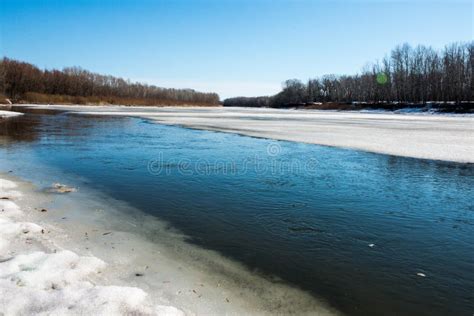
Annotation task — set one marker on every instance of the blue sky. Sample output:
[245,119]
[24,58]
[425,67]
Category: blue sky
[233,47]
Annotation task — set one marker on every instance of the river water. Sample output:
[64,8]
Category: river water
[372,234]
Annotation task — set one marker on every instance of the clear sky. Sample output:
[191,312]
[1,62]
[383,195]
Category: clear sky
[232,47]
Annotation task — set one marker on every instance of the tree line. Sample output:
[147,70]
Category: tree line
[21,81]
[409,75]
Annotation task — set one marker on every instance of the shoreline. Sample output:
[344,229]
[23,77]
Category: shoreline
[422,136]
[91,258]
[39,276]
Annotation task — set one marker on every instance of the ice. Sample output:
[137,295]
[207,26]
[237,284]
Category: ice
[427,136]
[45,271]
[7,184]
[6,114]
[58,282]
[9,209]
[10,230]
[6,191]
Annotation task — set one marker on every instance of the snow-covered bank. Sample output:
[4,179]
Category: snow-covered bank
[438,137]
[7,114]
[77,253]
[37,277]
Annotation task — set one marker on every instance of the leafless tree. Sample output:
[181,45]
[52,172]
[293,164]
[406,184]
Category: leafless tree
[409,76]
[23,81]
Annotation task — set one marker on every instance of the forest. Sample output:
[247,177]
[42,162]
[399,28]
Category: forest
[409,76]
[24,82]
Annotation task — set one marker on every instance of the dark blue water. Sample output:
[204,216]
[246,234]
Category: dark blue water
[304,213]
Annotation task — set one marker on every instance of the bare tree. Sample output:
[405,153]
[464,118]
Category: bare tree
[410,76]
[23,81]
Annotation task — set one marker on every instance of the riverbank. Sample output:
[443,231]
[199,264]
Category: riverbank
[425,136]
[83,252]
[37,275]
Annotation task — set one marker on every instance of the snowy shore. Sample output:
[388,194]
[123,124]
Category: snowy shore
[77,253]
[37,277]
[426,136]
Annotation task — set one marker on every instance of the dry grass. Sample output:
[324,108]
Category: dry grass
[40,98]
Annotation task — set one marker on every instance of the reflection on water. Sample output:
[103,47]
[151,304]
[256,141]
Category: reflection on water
[355,228]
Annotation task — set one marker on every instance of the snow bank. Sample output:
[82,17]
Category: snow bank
[6,114]
[12,230]
[55,282]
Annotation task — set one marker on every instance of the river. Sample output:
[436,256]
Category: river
[372,234]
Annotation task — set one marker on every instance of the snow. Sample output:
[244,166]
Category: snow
[35,282]
[56,284]
[427,136]
[6,114]
[9,209]
[7,184]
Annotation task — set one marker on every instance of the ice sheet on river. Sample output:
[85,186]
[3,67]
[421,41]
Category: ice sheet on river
[428,136]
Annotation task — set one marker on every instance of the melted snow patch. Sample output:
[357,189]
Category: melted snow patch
[49,271]
[7,184]
[6,192]
[10,195]
[9,209]
[57,284]
[10,231]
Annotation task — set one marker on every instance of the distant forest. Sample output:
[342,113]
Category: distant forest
[24,82]
[408,77]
